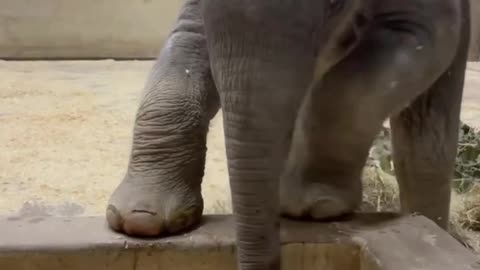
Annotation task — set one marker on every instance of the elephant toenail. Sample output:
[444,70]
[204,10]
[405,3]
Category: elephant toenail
[142,224]
[114,219]
[144,211]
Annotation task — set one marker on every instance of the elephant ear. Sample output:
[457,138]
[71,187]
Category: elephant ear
[345,23]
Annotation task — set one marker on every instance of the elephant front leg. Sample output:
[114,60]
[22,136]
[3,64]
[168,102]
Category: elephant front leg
[161,191]
[402,55]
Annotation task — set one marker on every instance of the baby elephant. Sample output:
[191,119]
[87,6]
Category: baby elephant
[304,86]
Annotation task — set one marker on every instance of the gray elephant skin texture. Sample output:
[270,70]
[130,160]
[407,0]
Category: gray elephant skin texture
[304,87]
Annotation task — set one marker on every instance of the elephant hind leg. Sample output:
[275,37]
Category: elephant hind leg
[425,137]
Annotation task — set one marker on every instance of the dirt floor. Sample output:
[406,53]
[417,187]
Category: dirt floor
[66,135]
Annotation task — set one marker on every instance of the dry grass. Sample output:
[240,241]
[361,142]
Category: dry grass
[381,189]
[381,194]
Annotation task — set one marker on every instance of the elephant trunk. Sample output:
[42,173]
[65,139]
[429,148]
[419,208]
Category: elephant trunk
[262,69]
[257,123]
[254,159]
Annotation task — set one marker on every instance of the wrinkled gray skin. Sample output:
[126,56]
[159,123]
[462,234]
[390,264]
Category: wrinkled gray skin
[304,86]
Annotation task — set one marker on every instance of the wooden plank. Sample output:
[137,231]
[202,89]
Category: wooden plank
[365,242]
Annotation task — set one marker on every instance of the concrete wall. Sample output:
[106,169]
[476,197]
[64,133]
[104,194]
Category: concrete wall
[103,28]
[85,28]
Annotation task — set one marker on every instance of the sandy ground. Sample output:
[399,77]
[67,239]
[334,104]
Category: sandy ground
[65,129]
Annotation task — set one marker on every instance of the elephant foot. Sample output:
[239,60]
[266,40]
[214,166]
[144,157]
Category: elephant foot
[146,208]
[318,200]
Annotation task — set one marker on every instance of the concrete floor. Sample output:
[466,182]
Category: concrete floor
[66,135]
